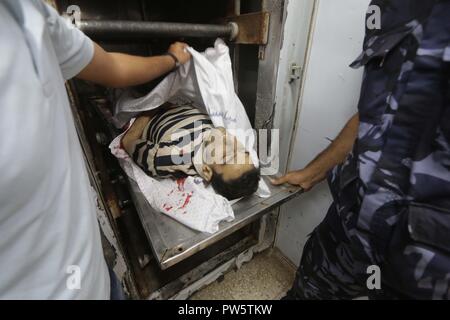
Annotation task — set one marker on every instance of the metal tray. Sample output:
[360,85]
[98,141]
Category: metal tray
[173,242]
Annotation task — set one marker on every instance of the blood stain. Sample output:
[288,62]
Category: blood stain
[180,183]
[186,201]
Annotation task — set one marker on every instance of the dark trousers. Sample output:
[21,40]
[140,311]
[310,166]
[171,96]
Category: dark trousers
[334,265]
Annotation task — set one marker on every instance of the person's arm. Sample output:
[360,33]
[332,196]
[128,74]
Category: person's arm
[118,70]
[134,134]
[335,154]
[141,150]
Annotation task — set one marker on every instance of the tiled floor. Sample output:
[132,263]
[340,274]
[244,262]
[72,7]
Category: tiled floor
[267,276]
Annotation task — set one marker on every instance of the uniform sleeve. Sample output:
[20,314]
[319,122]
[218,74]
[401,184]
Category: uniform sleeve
[73,48]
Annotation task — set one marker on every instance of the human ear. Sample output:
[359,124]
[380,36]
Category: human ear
[207,172]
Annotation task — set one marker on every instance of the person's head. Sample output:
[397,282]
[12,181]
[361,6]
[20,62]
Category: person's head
[229,167]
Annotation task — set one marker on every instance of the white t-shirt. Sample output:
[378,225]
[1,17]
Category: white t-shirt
[49,235]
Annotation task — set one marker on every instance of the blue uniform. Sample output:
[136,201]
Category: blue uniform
[392,195]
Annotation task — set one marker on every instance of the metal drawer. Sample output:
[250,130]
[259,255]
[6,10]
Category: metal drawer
[173,242]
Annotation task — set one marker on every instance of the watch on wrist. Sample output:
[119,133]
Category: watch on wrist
[174,57]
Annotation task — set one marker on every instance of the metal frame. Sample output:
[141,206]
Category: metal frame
[253,28]
[269,57]
[206,273]
[112,247]
[247,211]
[265,108]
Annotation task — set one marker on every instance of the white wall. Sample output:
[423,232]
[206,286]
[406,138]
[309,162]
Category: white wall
[327,100]
[298,18]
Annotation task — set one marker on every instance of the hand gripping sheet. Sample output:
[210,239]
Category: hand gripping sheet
[207,82]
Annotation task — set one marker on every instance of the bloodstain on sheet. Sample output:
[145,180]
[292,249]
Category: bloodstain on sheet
[180,183]
[187,200]
[167,207]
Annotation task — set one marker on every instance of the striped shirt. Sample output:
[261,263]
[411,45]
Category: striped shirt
[171,140]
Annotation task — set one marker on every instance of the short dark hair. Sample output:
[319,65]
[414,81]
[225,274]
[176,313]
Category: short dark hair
[244,186]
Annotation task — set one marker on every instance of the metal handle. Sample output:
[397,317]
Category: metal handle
[104,29]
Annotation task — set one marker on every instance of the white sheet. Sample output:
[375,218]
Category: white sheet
[207,82]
